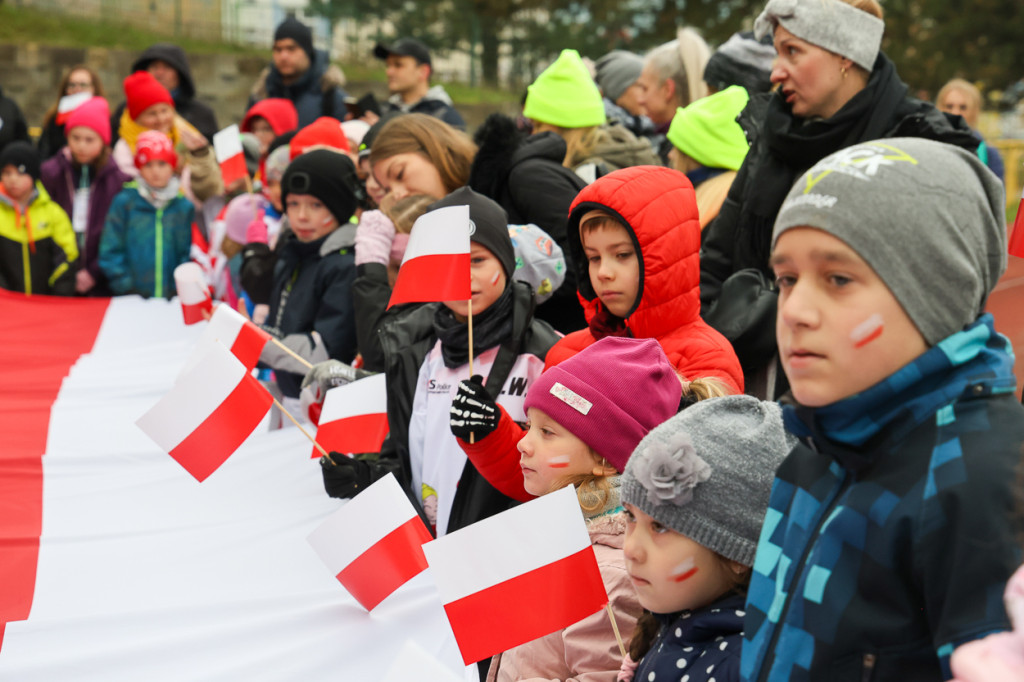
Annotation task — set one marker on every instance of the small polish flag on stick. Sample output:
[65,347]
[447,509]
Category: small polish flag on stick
[1016,246]
[354,416]
[504,580]
[436,262]
[208,413]
[243,338]
[196,303]
[373,544]
[69,103]
[227,144]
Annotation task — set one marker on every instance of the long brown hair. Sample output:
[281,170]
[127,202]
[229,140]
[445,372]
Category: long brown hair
[97,89]
[450,151]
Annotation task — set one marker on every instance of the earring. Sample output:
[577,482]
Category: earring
[842,70]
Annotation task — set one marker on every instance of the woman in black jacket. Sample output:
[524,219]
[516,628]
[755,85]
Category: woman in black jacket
[834,89]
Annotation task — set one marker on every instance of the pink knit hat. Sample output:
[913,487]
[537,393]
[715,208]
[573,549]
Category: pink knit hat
[610,394]
[93,114]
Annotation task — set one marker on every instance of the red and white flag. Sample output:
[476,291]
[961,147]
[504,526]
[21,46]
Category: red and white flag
[354,417]
[69,103]
[193,292]
[517,576]
[373,544]
[227,144]
[1016,246]
[436,262]
[243,338]
[208,413]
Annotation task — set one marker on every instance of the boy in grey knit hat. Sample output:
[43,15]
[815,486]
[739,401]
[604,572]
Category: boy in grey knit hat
[695,492]
[890,532]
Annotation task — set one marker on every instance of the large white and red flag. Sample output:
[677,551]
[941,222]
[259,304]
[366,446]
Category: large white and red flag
[228,327]
[68,103]
[373,544]
[436,262]
[193,292]
[517,576]
[208,413]
[1016,245]
[354,417]
[227,145]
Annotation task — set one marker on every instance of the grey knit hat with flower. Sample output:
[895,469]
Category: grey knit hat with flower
[707,472]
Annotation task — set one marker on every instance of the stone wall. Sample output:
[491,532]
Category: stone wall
[31,73]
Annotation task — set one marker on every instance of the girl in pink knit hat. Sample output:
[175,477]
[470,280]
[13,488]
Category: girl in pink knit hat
[586,415]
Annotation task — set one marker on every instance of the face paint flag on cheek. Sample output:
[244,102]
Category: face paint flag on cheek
[867,331]
[559,462]
[684,570]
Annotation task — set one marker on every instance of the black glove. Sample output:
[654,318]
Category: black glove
[473,410]
[345,476]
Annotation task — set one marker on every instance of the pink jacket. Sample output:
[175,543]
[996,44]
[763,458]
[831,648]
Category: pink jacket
[998,657]
[586,651]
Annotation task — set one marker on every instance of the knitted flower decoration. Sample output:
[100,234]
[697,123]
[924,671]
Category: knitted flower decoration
[669,471]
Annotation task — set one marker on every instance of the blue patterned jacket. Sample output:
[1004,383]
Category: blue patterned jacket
[890,532]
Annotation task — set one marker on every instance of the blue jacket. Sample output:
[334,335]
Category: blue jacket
[890,532]
[141,245]
[697,646]
[316,93]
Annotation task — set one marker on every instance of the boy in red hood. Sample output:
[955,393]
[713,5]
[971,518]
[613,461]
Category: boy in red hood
[634,239]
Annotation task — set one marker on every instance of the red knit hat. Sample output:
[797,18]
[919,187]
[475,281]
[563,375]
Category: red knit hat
[153,145]
[93,114]
[278,112]
[143,91]
[610,394]
[324,131]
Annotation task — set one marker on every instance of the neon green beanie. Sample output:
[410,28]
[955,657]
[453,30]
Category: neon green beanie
[565,95]
[707,130]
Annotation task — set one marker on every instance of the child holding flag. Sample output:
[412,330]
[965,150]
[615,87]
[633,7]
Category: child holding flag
[586,415]
[148,231]
[426,352]
[695,493]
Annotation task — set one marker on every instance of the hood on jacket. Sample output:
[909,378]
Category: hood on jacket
[667,239]
[436,93]
[501,146]
[620,148]
[320,76]
[173,55]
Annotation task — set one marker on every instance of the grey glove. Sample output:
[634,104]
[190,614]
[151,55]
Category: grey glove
[323,377]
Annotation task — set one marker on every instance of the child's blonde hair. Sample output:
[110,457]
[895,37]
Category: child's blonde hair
[404,212]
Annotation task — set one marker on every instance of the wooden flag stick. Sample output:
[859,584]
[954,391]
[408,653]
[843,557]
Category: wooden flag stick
[289,351]
[469,322]
[615,628]
[249,189]
[304,431]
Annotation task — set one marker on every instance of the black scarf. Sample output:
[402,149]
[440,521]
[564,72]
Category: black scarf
[490,328]
[795,144]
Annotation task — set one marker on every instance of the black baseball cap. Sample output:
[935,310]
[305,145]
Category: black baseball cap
[404,47]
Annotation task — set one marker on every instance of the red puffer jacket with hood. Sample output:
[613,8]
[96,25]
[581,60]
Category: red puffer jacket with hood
[659,208]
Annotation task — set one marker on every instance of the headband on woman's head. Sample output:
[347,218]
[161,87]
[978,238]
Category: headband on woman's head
[829,24]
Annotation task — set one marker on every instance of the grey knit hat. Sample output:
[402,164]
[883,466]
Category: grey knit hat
[741,60]
[831,24]
[616,71]
[707,472]
[927,217]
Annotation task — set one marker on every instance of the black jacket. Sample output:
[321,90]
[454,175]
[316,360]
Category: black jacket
[526,176]
[782,148]
[14,127]
[312,291]
[406,336]
[185,104]
[436,103]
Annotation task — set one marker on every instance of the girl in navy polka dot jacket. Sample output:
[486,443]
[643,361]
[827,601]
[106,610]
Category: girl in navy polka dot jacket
[695,493]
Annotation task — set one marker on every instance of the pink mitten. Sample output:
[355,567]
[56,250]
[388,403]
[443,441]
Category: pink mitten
[256,231]
[373,238]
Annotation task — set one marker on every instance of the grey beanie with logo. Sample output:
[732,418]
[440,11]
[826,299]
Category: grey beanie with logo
[928,217]
[707,472]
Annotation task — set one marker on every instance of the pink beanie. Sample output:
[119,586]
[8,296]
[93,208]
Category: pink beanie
[241,211]
[93,114]
[610,394]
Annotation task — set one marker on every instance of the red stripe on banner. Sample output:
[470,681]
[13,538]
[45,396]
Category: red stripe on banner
[1016,245]
[220,434]
[193,312]
[233,169]
[390,563]
[438,277]
[528,606]
[361,433]
[249,344]
[41,337]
